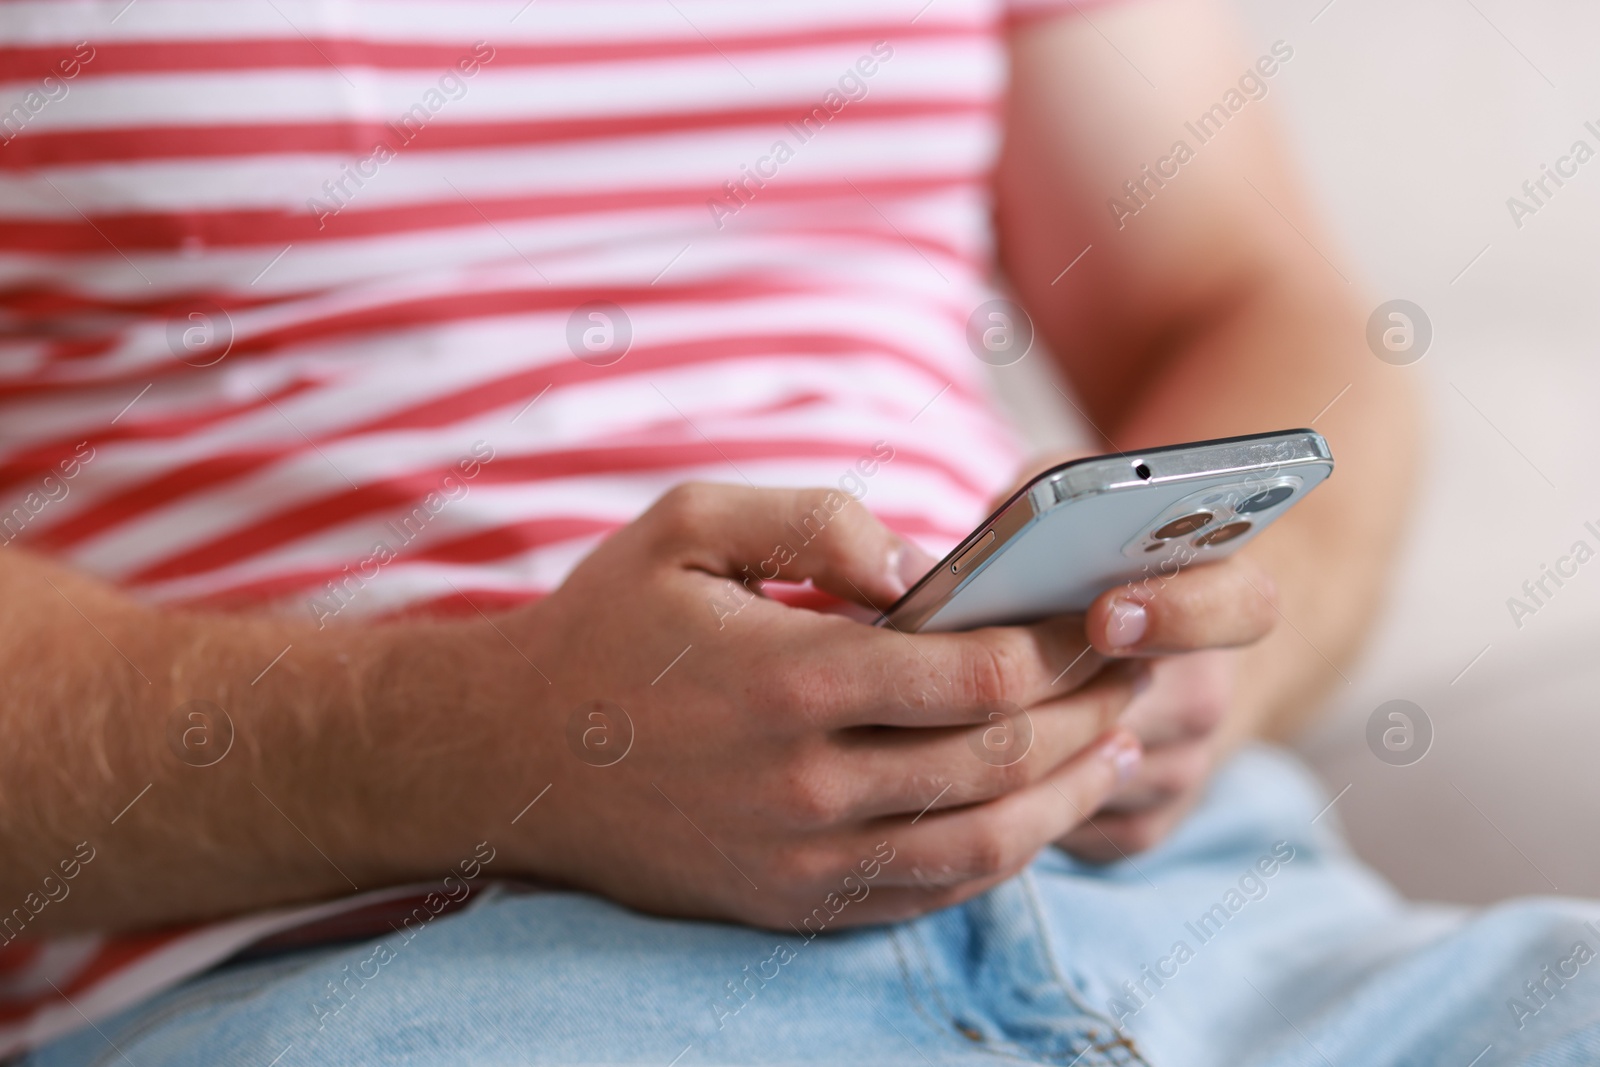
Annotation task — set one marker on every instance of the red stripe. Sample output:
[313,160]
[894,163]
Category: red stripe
[301,520]
[133,500]
[35,149]
[506,390]
[447,308]
[469,600]
[18,956]
[167,231]
[36,302]
[483,546]
[44,459]
[435,308]
[76,352]
[249,54]
[173,485]
[115,954]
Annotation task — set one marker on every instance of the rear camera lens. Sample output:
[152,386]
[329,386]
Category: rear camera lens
[1267,498]
[1225,532]
[1183,524]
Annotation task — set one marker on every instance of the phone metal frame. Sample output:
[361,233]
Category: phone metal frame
[1273,453]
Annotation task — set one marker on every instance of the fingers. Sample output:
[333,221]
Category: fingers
[998,838]
[756,535]
[881,677]
[911,771]
[1110,837]
[892,904]
[1165,774]
[1188,697]
[1220,605]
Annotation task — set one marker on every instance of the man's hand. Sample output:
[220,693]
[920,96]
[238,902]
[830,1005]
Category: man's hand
[1188,627]
[767,756]
[657,731]
[1188,717]
[1192,300]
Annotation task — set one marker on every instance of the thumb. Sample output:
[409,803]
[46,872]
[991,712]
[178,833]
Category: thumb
[791,535]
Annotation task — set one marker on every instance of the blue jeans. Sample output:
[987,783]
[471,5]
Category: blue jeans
[1252,937]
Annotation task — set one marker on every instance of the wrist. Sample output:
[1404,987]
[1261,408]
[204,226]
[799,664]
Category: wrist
[454,722]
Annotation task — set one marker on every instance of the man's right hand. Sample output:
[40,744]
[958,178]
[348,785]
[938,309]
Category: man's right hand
[774,751]
[763,752]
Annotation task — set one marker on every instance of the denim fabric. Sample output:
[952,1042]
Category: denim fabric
[1252,937]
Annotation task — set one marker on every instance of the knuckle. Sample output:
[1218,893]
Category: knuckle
[1007,778]
[987,854]
[1209,697]
[1204,713]
[800,867]
[1109,704]
[797,696]
[993,669]
[1263,612]
[680,514]
[1188,769]
[1136,833]
[833,548]
[1250,597]
[812,797]
[1256,580]
[815,512]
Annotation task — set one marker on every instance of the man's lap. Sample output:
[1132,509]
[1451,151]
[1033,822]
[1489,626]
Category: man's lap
[1251,937]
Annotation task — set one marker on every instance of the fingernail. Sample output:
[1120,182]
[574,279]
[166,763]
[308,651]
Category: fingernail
[1127,623]
[907,565]
[1124,754]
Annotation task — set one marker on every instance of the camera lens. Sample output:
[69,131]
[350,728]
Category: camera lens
[1225,532]
[1267,498]
[1183,524]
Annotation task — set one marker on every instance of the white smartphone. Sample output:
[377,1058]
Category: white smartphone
[1078,529]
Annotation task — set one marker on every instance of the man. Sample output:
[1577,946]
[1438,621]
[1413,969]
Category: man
[416,414]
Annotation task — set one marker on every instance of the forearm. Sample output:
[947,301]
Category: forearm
[342,770]
[1215,312]
[1289,352]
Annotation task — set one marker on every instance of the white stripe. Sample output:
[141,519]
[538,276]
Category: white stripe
[49,21]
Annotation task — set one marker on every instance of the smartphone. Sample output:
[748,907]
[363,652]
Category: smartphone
[1078,529]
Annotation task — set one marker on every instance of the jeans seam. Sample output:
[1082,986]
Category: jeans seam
[1124,1040]
[916,1000]
[946,1031]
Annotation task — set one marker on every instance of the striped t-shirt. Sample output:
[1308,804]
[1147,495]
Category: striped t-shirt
[349,308]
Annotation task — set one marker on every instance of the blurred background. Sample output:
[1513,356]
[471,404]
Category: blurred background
[1413,124]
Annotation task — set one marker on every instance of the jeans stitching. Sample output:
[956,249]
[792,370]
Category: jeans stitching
[1123,1040]
[916,1000]
[1087,1050]
[947,1030]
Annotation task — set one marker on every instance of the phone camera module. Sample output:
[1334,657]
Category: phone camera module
[1223,533]
[1182,525]
[1267,498]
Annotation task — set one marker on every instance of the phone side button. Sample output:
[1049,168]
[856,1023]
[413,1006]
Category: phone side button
[970,556]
